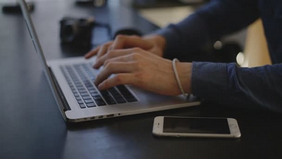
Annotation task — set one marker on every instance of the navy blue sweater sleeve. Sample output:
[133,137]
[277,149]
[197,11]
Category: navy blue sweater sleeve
[221,82]
[232,85]
[197,32]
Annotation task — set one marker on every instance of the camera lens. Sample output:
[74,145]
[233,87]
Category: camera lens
[68,33]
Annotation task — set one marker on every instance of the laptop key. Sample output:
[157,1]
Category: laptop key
[79,101]
[86,97]
[89,105]
[82,106]
[126,93]
[95,95]
[100,102]
[84,94]
[116,95]
[108,97]
[81,90]
[98,99]
[88,101]
[120,100]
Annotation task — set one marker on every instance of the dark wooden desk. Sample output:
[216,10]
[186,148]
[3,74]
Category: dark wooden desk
[32,127]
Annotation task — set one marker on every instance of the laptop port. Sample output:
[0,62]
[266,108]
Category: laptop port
[110,115]
[99,117]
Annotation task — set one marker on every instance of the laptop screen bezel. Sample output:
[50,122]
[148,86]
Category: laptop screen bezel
[39,51]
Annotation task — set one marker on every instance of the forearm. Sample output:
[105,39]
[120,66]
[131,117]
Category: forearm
[232,85]
[190,35]
[196,33]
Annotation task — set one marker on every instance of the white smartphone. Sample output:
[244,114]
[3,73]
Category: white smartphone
[196,127]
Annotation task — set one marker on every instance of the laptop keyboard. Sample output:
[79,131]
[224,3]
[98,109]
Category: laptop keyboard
[80,78]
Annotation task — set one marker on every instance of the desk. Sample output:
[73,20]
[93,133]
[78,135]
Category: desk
[32,126]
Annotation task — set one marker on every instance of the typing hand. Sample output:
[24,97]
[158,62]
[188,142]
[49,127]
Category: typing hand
[153,43]
[142,69]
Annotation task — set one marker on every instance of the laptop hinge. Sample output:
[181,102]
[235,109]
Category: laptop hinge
[65,105]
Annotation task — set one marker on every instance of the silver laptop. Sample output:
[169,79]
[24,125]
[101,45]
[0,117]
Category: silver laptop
[71,81]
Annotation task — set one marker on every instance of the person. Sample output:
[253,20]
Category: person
[145,61]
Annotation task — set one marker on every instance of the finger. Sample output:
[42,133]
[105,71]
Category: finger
[103,49]
[118,79]
[125,58]
[97,50]
[112,54]
[92,53]
[112,68]
[123,41]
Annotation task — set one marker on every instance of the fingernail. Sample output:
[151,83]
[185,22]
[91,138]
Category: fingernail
[87,55]
[100,86]
[95,82]
[95,66]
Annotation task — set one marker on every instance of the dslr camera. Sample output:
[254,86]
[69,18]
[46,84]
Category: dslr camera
[76,32]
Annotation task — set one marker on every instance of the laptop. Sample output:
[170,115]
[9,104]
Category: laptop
[72,84]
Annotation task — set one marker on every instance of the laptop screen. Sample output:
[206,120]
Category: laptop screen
[39,51]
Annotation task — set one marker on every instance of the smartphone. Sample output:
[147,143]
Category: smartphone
[196,127]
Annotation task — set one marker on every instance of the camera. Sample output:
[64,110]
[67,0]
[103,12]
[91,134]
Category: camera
[76,32]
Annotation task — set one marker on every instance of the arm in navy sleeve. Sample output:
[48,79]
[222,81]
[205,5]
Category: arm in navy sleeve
[197,32]
[232,85]
[224,83]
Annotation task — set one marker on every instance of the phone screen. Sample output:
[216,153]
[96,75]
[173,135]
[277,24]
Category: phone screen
[196,125]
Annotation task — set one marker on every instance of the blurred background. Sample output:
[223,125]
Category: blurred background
[247,47]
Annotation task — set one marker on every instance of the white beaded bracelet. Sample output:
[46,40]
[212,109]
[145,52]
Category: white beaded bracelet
[177,77]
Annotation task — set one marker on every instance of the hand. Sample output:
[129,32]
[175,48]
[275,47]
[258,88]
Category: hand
[152,43]
[142,69]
